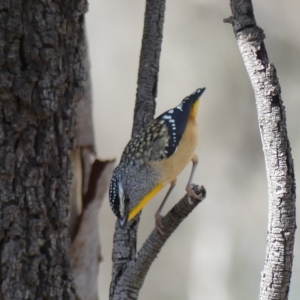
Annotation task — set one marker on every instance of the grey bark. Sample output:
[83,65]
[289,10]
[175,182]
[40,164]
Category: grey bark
[129,267]
[85,137]
[124,247]
[149,65]
[276,275]
[135,271]
[41,78]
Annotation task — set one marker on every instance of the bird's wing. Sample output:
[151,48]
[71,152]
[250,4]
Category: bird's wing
[160,139]
[149,144]
[174,120]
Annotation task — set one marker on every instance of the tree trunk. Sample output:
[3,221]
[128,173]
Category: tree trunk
[276,276]
[41,75]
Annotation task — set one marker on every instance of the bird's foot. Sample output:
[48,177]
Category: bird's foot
[192,195]
[158,224]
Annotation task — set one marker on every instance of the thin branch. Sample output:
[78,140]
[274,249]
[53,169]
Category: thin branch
[138,268]
[134,273]
[124,247]
[149,64]
[277,270]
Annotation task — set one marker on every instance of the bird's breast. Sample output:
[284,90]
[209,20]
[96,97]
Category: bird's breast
[171,167]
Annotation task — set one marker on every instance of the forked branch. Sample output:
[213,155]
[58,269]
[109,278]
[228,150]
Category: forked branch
[134,272]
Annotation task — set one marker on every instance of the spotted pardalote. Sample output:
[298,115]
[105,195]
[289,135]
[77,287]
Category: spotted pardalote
[154,158]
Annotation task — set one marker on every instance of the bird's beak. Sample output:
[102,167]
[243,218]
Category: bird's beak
[123,221]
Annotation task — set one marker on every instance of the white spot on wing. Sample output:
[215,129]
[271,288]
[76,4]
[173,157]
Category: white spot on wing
[179,107]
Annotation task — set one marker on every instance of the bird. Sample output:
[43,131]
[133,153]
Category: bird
[154,158]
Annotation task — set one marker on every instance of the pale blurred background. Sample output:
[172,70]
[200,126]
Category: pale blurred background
[218,252]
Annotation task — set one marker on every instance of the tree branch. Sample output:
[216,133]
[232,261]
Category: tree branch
[124,248]
[149,65]
[277,270]
[135,271]
[129,269]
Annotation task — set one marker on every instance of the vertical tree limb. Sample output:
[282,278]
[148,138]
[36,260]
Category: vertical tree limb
[149,64]
[130,268]
[124,247]
[277,270]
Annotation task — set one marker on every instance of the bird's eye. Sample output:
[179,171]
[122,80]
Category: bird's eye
[114,196]
[126,201]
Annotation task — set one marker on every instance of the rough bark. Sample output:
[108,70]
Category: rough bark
[135,271]
[130,268]
[149,65]
[41,75]
[124,248]
[276,275]
[84,127]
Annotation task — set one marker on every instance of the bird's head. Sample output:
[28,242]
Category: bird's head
[118,202]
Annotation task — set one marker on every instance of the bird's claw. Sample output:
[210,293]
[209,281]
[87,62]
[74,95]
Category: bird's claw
[158,224]
[192,195]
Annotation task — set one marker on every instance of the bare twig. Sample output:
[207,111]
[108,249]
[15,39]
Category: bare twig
[277,271]
[124,248]
[135,271]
